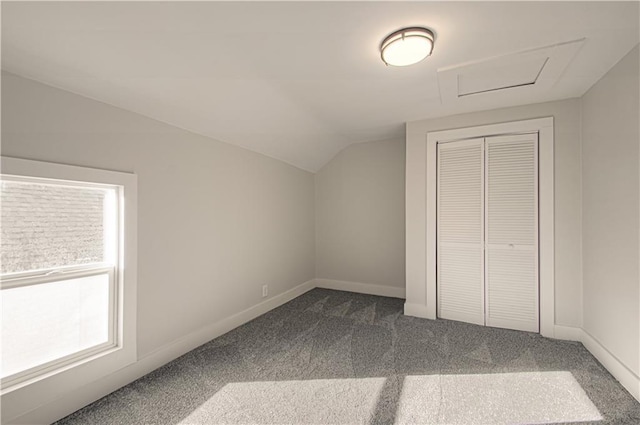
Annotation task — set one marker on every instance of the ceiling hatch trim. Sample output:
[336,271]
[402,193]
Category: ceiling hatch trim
[507,76]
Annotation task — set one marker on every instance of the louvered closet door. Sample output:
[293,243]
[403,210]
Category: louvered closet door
[460,231]
[511,226]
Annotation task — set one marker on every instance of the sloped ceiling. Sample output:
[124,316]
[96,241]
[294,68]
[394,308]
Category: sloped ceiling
[297,81]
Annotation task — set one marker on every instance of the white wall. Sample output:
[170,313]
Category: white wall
[611,214]
[568,268]
[360,215]
[215,223]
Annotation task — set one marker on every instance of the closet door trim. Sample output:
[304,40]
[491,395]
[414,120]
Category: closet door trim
[421,263]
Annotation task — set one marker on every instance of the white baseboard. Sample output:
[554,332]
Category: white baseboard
[417,310]
[567,333]
[361,288]
[622,373]
[70,402]
[619,370]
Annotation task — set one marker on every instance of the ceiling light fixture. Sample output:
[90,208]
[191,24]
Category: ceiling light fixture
[407,46]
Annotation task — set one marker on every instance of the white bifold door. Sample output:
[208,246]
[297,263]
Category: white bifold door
[487,247]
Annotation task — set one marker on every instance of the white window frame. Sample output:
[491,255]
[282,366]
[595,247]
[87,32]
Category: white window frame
[421,214]
[22,280]
[46,383]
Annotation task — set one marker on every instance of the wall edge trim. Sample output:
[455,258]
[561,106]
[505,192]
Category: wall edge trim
[567,333]
[417,310]
[627,378]
[361,288]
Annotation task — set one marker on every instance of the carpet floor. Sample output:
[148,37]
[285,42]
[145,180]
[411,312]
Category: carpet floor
[332,357]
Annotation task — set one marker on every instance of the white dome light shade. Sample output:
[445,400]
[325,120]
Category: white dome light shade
[407,46]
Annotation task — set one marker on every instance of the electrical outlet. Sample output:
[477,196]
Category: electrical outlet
[265,290]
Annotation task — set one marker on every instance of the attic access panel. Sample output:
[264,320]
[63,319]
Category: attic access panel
[509,76]
[518,72]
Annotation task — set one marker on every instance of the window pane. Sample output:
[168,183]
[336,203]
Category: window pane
[45,322]
[47,225]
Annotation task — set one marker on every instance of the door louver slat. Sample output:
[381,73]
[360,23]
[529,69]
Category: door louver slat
[460,231]
[511,211]
[487,234]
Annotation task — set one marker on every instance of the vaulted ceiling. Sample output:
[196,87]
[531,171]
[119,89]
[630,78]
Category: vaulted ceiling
[300,81]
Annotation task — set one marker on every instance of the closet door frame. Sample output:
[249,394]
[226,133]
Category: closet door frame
[544,128]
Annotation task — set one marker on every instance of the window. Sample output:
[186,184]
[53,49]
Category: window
[67,279]
[58,269]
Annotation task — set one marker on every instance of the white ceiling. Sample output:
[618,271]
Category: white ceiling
[298,81]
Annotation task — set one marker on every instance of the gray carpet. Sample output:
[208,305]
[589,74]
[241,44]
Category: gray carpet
[337,357]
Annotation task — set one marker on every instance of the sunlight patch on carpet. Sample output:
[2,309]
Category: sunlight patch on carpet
[501,398]
[313,401]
